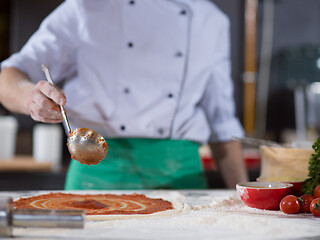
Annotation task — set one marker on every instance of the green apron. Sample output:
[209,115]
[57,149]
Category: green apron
[141,164]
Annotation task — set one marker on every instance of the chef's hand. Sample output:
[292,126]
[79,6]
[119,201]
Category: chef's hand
[43,102]
[19,94]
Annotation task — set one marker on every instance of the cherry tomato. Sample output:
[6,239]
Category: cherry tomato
[305,201]
[290,204]
[315,207]
[316,192]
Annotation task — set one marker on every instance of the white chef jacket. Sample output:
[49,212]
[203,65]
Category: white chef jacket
[139,68]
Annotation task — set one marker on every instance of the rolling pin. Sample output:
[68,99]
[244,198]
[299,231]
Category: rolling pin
[42,218]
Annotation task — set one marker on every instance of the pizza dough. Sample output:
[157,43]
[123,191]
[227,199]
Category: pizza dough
[103,206]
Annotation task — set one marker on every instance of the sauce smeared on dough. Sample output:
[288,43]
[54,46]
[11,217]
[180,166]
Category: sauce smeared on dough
[87,204]
[98,204]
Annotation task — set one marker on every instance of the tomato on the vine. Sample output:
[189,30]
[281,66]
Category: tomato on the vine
[316,192]
[315,207]
[305,201]
[290,204]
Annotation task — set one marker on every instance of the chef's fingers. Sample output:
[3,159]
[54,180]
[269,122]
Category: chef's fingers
[43,113]
[39,118]
[52,92]
[43,109]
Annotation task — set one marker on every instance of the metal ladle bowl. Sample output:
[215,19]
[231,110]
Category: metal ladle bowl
[85,145]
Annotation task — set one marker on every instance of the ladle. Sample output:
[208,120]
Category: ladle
[257,142]
[85,145]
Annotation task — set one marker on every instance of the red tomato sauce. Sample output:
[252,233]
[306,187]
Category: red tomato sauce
[99,204]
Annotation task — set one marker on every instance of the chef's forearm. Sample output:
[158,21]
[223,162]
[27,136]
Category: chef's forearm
[229,158]
[14,89]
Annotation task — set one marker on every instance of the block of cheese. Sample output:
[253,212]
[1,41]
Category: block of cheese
[284,164]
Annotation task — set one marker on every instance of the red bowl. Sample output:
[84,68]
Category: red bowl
[263,195]
[296,185]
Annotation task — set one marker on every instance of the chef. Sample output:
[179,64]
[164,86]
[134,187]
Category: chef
[151,76]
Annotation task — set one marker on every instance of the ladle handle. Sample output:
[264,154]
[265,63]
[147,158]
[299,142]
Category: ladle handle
[46,71]
[257,142]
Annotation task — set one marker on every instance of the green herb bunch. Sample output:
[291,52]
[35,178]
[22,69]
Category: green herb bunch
[314,170]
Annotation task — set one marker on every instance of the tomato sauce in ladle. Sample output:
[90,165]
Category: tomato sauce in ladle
[85,145]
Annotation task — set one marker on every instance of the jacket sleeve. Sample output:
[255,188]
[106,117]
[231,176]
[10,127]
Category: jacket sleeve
[218,101]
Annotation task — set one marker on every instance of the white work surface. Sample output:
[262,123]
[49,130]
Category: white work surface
[209,214]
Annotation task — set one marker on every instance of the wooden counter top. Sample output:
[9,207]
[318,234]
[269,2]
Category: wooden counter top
[23,163]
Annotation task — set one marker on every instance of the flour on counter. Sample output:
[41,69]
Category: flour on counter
[210,214]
